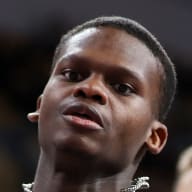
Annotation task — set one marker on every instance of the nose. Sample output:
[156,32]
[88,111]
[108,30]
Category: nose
[91,88]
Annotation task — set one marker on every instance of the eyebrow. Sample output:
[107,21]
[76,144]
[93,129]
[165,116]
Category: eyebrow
[116,68]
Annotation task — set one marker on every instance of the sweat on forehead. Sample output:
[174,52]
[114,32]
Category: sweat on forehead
[168,82]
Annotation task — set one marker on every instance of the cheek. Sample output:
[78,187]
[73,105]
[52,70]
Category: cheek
[132,123]
[54,93]
[49,111]
[49,103]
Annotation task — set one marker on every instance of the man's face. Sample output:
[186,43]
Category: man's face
[99,101]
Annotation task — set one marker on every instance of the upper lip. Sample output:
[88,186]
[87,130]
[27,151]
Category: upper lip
[78,109]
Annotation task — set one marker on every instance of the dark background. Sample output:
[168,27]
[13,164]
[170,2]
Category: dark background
[29,33]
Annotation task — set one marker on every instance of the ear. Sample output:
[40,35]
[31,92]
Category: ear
[34,116]
[157,137]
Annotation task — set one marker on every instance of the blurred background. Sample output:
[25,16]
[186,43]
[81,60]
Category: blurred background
[29,33]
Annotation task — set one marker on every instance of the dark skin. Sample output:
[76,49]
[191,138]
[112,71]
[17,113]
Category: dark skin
[96,115]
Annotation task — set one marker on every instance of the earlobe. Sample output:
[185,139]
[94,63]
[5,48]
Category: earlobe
[157,138]
[34,116]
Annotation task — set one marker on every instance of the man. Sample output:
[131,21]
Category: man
[103,107]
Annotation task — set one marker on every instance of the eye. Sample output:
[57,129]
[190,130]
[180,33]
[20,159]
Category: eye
[72,76]
[123,88]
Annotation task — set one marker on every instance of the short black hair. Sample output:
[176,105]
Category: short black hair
[168,78]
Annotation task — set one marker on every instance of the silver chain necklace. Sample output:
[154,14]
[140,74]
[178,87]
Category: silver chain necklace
[27,187]
[136,184]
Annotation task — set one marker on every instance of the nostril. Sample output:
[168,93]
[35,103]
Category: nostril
[97,98]
[79,93]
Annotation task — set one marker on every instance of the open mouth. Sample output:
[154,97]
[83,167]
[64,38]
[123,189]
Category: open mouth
[83,115]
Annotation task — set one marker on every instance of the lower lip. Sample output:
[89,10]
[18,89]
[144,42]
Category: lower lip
[83,123]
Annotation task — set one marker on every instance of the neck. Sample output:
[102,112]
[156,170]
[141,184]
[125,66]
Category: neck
[47,179]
